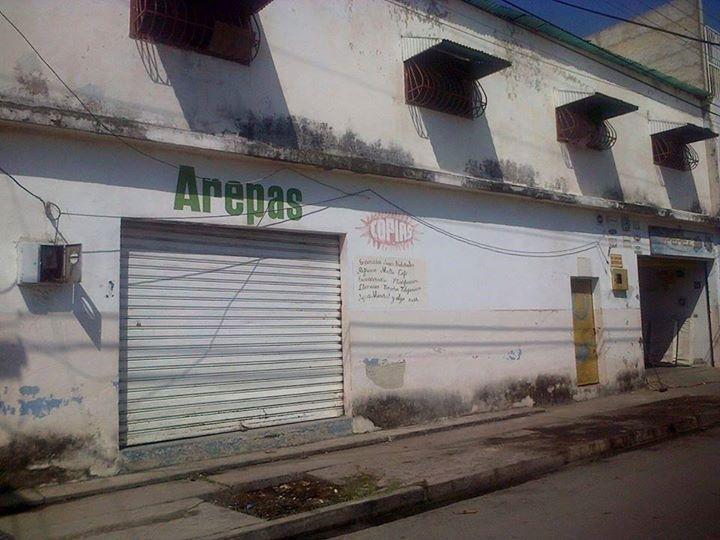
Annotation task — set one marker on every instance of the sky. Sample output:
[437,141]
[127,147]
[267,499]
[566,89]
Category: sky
[583,24]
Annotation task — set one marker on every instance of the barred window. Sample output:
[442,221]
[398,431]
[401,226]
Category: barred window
[584,122]
[222,28]
[671,147]
[445,77]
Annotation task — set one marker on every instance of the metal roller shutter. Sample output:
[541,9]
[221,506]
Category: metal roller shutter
[226,329]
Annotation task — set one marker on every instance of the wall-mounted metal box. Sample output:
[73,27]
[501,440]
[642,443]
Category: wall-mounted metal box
[619,279]
[49,263]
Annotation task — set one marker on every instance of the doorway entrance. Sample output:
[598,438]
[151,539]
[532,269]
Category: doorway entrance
[674,309]
[584,335]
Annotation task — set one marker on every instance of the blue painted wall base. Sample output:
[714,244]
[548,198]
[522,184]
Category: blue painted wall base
[150,456]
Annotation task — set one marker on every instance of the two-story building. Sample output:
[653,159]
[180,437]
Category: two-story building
[232,225]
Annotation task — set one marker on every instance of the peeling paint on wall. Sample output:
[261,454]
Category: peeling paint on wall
[384,373]
[29,390]
[6,409]
[38,406]
[43,406]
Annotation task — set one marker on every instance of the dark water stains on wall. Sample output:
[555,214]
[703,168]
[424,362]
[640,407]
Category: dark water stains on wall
[12,359]
[305,134]
[431,12]
[559,184]
[31,81]
[613,193]
[394,410]
[28,461]
[543,390]
[503,169]
[406,408]
[629,380]
[696,208]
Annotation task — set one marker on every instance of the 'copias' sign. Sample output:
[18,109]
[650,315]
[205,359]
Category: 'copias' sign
[249,199]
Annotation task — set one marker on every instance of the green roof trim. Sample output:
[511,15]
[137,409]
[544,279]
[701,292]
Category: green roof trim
[540,26]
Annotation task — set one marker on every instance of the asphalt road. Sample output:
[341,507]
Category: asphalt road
[671,490]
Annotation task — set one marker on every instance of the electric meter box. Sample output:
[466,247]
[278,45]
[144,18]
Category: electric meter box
[619,279]
[49,263]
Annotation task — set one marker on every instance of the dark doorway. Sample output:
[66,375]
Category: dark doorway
[674,309]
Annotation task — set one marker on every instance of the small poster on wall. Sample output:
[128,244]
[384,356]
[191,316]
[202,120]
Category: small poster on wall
[390,281]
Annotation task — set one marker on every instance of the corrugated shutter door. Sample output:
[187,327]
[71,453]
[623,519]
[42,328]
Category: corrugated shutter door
[226,329]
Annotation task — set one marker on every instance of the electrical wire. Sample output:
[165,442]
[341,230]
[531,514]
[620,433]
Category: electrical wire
[459,238]
[496,249]
[22,186]
[682,100]
[79,100]
[104,126]
[141,152]
[623,19]
[659,13]
[537,59]
[686,45]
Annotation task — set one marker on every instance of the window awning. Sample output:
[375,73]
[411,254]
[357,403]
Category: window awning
[478,64]
[600,107]
[689,133]
[256,5]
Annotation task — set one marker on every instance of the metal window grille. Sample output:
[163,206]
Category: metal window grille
[712,54]
[443,85]
[671,153]
[713,50]
[579,129]
[221,28]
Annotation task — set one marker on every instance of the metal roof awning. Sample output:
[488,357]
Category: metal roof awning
[689,133]
[600,107]
[479,64]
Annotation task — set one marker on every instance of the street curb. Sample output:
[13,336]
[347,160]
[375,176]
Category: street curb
[415,499]
[331,516]
[23,499]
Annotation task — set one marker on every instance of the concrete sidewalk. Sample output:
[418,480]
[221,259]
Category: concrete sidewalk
[413,469]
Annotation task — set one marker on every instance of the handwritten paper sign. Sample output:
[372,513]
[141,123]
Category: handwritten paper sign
[389,281]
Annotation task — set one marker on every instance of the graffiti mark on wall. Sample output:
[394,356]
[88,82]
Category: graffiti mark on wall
[384,373]
[514,354]
[389,231]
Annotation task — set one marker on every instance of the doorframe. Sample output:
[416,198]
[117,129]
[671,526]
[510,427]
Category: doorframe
[709,317]
[707,265]
[597,317]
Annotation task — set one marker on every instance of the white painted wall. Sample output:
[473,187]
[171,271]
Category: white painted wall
[488,319]
[337,66]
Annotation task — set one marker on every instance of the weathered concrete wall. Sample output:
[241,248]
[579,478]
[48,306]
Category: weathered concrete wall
[341,92]
[677,57]
[488,330]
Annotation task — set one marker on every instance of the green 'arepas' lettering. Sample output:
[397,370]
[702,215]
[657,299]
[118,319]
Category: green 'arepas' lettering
[239,199]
